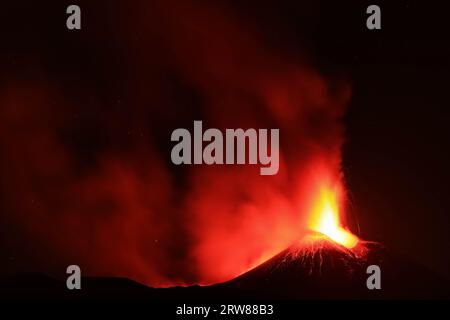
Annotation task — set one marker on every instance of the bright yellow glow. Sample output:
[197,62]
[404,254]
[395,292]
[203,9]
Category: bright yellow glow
[325,219]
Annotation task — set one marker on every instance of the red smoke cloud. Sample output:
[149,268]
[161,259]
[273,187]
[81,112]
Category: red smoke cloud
[88,180]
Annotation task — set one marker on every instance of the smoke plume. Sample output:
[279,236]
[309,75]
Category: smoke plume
[85,144]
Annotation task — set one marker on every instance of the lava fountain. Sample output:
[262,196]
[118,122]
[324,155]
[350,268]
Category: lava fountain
[325,217]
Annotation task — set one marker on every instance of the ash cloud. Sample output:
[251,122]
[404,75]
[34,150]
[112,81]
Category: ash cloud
[85,145]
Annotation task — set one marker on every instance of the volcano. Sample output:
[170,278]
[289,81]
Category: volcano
[315,267]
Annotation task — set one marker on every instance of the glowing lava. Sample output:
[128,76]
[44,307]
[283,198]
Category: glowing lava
[325,219]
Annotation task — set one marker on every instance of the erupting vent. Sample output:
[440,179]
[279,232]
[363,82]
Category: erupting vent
[325,218]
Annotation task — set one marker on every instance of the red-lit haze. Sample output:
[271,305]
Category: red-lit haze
[87,179]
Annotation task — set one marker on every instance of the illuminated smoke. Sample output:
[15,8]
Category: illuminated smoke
[88,179]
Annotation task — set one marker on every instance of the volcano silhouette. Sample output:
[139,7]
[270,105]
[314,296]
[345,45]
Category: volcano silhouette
[315,267]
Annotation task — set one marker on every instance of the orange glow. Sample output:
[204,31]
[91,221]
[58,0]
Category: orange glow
[325,219]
